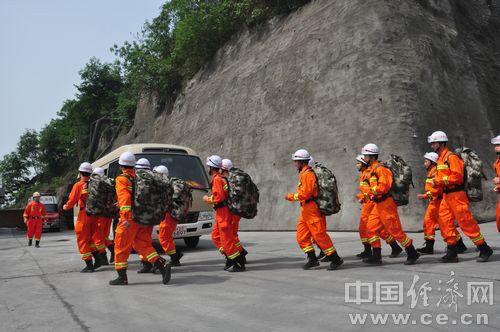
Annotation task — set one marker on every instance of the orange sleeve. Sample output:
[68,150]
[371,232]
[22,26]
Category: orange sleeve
[306,189]
[27,210]
[497,166]
[219,191]
[124,196]
[43,211]
[384,182]
[456,176]
[74,196]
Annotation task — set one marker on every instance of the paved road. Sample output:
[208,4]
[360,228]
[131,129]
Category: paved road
[42,289]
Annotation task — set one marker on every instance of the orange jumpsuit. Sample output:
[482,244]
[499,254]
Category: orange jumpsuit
[222,234]
[100,234]
[497,168]
[366,210]
[236,225]
[166,231]
[33,215]
[128,232]
[84,223]
[434,195]
[385,213]
[312,223]
[455,204]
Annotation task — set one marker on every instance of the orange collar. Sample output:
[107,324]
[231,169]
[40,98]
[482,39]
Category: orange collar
[129,171]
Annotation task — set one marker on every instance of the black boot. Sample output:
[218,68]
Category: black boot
[336,261]
[451,255]
[175,259]
[484,253]
[366,253]
[165,269]
[111,249]
[375,258]
[413,255]
[97,259]
[396,249]
[461,247]
[89,267]
[312,261]
[30,243]
[104,258]
[37,244]
[238,265]
[147,267]
[321,255]
[122,278]
[428,249]
[244,254]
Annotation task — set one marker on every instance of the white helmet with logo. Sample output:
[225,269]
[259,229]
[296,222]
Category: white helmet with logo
[370,149]
[495,140]
[432,156]
[301,155]
[437,136]
[127,159]
[85,167]
[98,171]
[214,161]
[143,163]
[161,169]
[227,164]
[360,159]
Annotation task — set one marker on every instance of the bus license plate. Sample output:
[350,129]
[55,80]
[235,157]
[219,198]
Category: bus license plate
[180,231]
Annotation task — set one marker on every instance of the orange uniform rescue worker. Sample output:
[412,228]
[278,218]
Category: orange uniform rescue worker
[496,181]
[84,223]
[227,164]
[367,207]
[455,204]
[312,223]
[434,195]
[222,235]
[33,215]
[385,213]
[128,232]
[166,230]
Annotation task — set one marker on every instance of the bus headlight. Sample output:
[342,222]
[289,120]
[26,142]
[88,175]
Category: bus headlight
[206,215]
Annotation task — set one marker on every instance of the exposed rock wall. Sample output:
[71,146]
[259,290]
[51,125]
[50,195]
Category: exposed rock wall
[334,76]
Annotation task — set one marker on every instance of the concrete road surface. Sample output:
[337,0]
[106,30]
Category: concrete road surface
[42,290]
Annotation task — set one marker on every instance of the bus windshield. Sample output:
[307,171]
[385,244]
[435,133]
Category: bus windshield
[184,167]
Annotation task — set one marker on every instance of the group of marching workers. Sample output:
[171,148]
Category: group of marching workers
[444,190]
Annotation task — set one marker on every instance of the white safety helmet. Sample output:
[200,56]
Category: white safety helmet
[370,149]
[85,167]
[437,136]
[432,156]
[311,162]
[214,161]
[161,169]
[98,171]
[36,194]
[301,155]
[127,159]
[227,164]
[495,140]
[360,159]
[143,163]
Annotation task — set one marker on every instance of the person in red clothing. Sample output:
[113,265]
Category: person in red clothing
[385,213]
[222,235]
[434,195]
[166,230]
[227,164]
[312,223]
[84,224]
[128,232]
[496,181]
[455,204]
[367,208]
[33,215]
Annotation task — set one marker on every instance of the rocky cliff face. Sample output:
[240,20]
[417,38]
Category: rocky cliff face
[334,76]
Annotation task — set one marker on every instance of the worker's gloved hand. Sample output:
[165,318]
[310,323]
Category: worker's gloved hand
[496,180]
[206,199]
[421,196]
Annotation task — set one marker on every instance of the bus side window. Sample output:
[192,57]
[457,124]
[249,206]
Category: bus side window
[113,169]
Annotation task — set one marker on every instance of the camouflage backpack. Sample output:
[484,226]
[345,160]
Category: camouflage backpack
[473,173]
[402,178]
[182,199]
[152,197]
[101,201]
[243,194]
[328,192]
